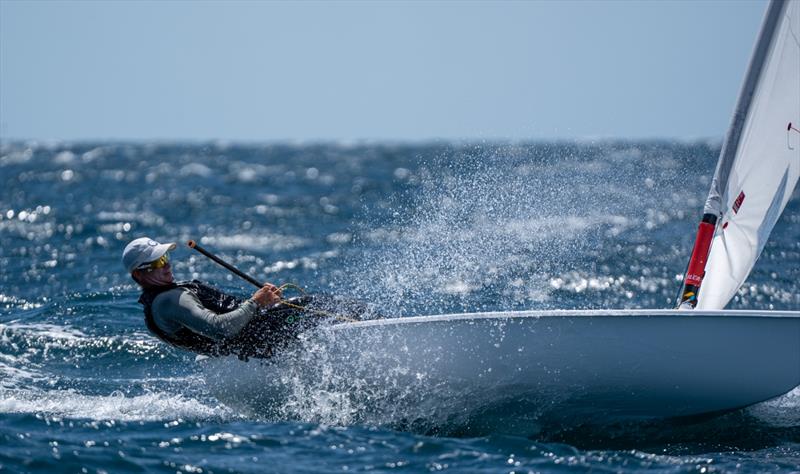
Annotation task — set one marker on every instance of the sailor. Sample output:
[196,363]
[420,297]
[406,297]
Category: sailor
[199,317]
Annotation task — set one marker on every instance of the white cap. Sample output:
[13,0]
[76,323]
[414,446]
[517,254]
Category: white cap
[143,250]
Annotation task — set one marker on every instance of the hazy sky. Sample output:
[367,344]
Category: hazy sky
[372,70]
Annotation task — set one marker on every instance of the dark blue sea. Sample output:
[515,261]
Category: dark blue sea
[414,229]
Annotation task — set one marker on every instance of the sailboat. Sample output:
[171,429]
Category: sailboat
[590,366]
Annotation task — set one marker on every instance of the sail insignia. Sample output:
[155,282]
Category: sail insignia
[738,202]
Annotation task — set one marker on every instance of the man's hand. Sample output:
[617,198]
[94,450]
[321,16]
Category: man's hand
[268,295]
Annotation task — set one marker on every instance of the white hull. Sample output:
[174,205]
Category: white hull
[494,369]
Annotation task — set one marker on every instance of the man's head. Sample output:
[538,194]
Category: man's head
[148,262]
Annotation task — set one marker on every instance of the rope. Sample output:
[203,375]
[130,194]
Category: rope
[314,311]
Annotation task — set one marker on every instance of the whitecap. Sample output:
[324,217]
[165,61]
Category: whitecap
[255,242]
[64,157]
[196,169]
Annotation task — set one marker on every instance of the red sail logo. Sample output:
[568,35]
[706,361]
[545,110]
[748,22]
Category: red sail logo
[738,202]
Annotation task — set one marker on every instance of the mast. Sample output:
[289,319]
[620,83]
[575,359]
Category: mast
[713,211]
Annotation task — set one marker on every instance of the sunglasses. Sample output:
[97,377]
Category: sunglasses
[155,264]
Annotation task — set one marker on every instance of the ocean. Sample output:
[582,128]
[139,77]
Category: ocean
[413,229]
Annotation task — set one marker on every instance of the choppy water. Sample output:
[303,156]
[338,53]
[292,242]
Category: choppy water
[414,229]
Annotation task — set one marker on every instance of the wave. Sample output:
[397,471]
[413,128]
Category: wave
[40,342]
[60,371]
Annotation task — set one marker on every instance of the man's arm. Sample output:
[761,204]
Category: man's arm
[183,307]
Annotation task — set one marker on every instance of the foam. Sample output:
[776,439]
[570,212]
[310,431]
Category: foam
[779,412]
[43,330]
[115,406]
[9,302]
[13,375]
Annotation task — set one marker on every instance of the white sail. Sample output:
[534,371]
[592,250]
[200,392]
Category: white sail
[760,161]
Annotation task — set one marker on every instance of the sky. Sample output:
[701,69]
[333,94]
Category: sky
[399,71]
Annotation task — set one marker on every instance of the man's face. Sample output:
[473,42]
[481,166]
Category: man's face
[159,274]
[164,274]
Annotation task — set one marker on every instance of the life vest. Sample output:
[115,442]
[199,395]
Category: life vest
[210,297]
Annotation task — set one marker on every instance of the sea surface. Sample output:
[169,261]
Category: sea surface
[414,229]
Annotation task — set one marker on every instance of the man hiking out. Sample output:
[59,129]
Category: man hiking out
[204,320]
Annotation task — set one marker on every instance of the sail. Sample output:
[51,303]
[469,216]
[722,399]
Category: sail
[760,159]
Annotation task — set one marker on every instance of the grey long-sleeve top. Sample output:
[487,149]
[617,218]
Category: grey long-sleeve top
[180,307]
